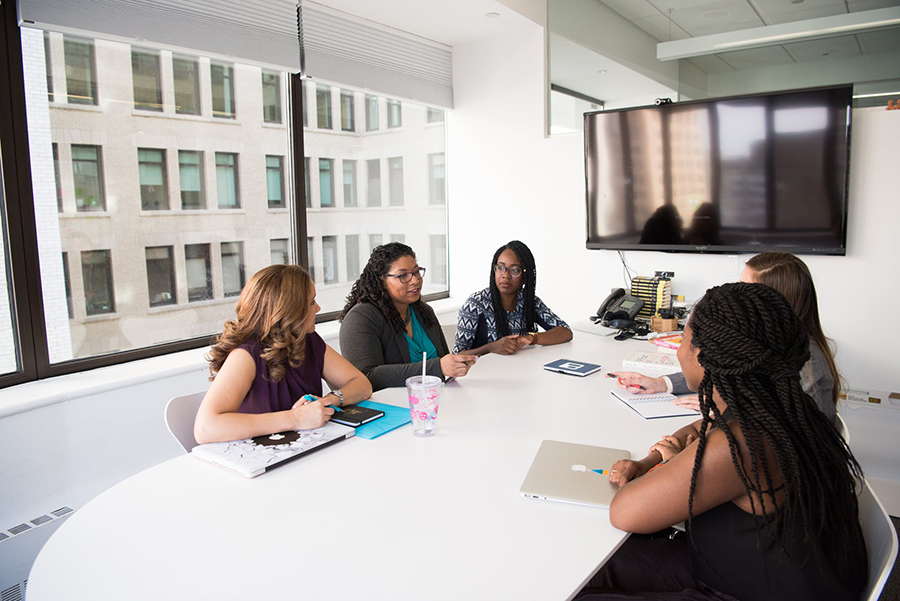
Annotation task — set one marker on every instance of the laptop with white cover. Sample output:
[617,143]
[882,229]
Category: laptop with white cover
[572,473]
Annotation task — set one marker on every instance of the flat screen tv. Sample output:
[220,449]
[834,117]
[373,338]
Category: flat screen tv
[729,175]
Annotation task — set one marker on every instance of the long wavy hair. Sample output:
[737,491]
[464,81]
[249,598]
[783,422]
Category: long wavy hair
[529,284]
[790,276]
[272,309]
[751,346]
[370,287]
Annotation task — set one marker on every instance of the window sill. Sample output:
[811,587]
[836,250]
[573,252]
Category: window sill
[85,214]
[91,108]
[273,125]
[101,317]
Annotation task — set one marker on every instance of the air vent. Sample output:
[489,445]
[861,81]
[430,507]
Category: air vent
[3,536]
[18,530]
[13,593]
[61,511]
[41,520]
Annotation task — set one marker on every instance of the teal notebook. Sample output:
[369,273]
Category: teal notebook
[394,417]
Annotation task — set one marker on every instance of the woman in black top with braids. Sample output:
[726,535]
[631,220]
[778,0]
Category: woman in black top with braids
[766,483]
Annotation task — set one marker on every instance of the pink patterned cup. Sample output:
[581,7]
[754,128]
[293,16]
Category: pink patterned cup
[424,394]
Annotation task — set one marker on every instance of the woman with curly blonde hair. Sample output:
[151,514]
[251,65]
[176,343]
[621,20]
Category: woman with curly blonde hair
[269,358]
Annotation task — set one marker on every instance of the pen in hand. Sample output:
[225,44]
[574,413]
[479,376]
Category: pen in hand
[612,375]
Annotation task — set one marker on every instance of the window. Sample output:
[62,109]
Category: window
[271,91]
[81,74]
[279,252]
[401,238]
[395,113]
[311,251]
[348,120]
[161,275]
[323,107]
[349,183]
[374,240]
[96,271]
[437,182]
[146,81]
[351,242]
[306,188]
[48,63]
[87,170]
[59,195]
[67,282]
[326,182]
[371,113]
[190,172]
[275,181]
[232,268]
[222,80]
[304,102]
[227,186]
[199,272]
[152,170]
[373,167]
[435,115]
[329,259]
[439,258]
[186,75]
[395,175]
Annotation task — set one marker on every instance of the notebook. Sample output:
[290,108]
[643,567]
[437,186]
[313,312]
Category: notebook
[573,368]
[394,417]
[654,405]
[650,360]
[252,456]
[572,473]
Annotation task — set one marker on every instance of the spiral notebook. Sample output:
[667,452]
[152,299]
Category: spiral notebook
[654,405]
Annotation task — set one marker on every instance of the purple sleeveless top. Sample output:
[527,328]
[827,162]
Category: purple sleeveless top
[266,396]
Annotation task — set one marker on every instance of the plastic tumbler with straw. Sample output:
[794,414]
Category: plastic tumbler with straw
[424,393]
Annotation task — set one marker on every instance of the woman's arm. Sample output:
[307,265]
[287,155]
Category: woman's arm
[625,470]
[556,335]
[218,420]
[340,374]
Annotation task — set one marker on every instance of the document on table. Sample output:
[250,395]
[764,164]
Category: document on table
[654,405]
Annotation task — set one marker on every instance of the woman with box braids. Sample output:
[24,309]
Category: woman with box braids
[504,317]
[766,484]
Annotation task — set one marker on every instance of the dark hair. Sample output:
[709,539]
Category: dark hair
[790,276]
[528,285]
[751,346]
[369,288]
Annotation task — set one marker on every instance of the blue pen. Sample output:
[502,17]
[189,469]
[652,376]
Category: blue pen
[311,398]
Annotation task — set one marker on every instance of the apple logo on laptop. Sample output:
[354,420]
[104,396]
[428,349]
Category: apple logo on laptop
[579,468]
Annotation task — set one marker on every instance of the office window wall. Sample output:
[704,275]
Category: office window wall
[279,251]
[87,175]
[152,170]
[351,242]
[222,80]
[371,113]
[329,260]
[271,91]
[323,106]
[348,118]
[349,167]
[81,72]
[373,191]
[67,280]
[97,276]
[56,177]
[437,179]
[161,276]
[228,186]
[395,167]
[275,181]
[326,182]
[190,174]
[395,113]
[233,268]
[146,80]
[186,80]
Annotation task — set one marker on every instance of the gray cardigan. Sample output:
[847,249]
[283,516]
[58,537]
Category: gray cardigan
[370,343]
[815,377]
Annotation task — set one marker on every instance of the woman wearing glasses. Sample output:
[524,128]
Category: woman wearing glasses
[504,317]
[386,326]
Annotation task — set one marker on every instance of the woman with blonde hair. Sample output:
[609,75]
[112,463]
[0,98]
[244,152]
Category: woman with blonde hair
[269,358]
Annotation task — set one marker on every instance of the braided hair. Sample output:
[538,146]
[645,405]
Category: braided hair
[526,259]
[751,347]
[370,288]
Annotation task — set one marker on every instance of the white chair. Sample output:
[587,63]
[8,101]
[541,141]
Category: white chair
[180,413]
[842,428]
[881,541]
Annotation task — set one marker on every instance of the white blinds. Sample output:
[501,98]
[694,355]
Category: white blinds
[337,48]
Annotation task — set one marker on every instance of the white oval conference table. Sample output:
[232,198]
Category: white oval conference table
[397,517]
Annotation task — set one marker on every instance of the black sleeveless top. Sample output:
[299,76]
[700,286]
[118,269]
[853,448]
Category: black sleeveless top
[735,554]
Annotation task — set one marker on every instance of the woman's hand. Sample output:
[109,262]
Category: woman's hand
[625,470]
[508,345]
[632,381]
[670,446]
[691,401]
[309,415]
[456,366]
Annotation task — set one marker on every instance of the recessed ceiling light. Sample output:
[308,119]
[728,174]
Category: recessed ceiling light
[601,71]
[716,14]
[492,15]
[796,1]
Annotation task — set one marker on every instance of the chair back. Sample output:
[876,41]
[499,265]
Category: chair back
[841,425]
[180,414]
[881,541]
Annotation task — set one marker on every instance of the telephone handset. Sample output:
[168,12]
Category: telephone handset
[619,305]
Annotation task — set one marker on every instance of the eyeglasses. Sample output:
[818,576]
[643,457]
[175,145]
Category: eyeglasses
[514,272]
[406,277]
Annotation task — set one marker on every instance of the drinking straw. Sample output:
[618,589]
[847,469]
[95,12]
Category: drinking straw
[423,366]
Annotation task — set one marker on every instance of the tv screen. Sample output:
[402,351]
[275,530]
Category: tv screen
[740,174]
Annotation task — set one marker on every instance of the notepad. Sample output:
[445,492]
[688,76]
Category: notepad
[573,368]
[393,418]
[654,405]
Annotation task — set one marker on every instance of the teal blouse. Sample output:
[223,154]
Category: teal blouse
[420,342]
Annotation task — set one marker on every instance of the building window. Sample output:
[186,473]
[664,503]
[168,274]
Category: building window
[59,194]
[96,271]
[329,259]
[152,170]
[371,113]
[190,172]
[146,81]
[87,169]
[186,72]
[227,182]
[437,179]
[310,251]
[279,252]
[439,258]
[351,242]
[306,188]
[435,115]
[222,79]
[48,65]
[374,240]
[323,107]
[232,268]
[326,182]
[395,179]
[304,102]
[161,275]
[67,282]
[348,119]
[401,238]
[373,193]
[395,113]
[199,272]
[349,183]
[275,181]
[81,72]
[271,90]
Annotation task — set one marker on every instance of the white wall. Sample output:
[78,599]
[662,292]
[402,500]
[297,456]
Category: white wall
[508,181]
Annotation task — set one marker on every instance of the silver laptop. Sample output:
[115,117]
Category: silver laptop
[573,473]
